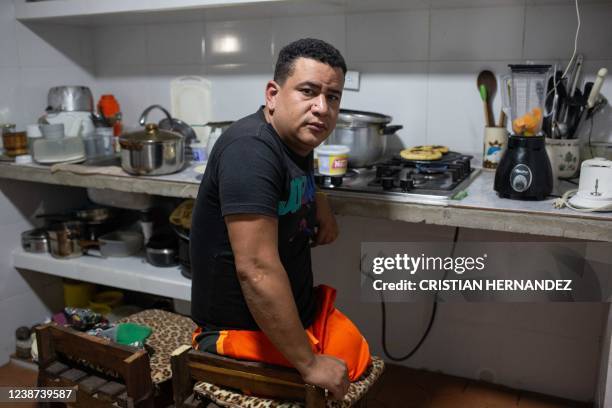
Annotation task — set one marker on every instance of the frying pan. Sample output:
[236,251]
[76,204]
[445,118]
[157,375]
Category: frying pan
[446,158]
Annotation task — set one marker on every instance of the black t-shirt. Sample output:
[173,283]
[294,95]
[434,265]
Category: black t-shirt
[250,171]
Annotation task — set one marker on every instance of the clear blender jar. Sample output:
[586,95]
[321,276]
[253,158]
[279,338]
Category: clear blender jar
[523,97]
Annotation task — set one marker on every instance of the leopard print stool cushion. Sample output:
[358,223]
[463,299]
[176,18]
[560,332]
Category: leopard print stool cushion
[228,398]
[170,330]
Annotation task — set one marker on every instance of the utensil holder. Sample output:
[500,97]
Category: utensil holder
[494,145]
[564,156]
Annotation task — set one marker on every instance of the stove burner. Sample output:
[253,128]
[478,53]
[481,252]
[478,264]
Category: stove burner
[327,181]
[434,176]
[419,179]
[398,176]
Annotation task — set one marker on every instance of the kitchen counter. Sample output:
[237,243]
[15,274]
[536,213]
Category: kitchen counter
[481,208]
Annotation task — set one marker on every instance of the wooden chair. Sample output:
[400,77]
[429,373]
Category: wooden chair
[132,375]
[103,372]
[200,377]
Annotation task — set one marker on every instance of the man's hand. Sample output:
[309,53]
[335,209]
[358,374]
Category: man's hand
[327,231]
[327,372]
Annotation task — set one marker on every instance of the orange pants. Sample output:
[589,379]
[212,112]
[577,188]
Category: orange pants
[332,333]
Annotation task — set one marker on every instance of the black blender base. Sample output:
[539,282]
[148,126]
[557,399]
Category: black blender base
[521,197]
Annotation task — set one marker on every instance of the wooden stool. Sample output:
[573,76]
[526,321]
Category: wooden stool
[101,359]
[103,372]
[200,377]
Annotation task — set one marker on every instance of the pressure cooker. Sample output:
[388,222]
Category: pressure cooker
[365,133]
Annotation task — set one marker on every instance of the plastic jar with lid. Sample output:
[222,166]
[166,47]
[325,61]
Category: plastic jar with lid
[110,109]
[333,159]
[23,342]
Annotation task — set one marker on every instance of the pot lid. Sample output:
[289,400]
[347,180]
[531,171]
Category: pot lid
[178,126]
[362,117]
[151,134]
[224,123]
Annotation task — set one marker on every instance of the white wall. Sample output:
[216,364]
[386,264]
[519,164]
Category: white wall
[417,65]
[29,65]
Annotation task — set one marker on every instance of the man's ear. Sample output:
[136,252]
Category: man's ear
[272,90]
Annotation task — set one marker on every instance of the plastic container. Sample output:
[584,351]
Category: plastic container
[23,159]
[47,151]
[53,131]
[111,298]
[110,109]
[333,159]
[23,342]
[33,132]
[99,308]
[77,294]
[199,152]
[99,143]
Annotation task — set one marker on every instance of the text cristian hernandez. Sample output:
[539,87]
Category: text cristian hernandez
[476,284]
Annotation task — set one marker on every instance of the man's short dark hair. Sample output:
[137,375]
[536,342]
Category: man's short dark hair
[306,48]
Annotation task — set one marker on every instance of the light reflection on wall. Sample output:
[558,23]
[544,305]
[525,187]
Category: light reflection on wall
[227,44]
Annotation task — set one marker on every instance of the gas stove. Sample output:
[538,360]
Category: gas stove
[397,179]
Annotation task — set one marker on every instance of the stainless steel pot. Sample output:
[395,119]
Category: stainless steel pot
[35,241]
[65,240]
[70,99]
[152,152]
[365,133]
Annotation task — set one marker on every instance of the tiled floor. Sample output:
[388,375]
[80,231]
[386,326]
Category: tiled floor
[402,387]
[13,375]
[399,387]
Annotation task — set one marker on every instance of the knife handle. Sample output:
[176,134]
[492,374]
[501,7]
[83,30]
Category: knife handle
[594,95]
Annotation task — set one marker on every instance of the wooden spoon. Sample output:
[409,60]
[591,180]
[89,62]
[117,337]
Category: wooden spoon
[487,78]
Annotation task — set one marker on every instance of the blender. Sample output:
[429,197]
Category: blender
[524,172]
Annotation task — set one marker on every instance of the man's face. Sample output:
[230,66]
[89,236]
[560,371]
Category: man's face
[304,109]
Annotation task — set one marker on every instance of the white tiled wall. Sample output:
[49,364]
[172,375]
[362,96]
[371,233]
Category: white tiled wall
[550,348]
[418,65]
[29,66]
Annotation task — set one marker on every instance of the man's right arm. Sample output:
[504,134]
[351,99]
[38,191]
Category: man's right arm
[267,291]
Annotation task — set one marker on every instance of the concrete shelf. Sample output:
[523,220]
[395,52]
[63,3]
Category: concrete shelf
[132,273]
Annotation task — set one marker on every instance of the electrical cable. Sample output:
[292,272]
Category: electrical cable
[569,64]
[571,61]
[431,318]
[591,134]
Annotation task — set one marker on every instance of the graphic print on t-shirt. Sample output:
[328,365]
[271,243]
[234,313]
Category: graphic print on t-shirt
[302,196]
[302,193]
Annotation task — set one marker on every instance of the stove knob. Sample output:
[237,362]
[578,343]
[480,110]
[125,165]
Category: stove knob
[467,165]
[455,174]
[336,181]
[407,184]
[387,183]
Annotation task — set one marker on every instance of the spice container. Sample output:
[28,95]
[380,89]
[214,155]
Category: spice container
[15,143]
[23,342]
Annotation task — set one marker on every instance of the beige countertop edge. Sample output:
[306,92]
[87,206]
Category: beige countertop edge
[578,227]
[479,218]
[160,187]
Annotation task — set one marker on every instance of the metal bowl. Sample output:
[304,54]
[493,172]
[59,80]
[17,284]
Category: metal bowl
[70,99]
